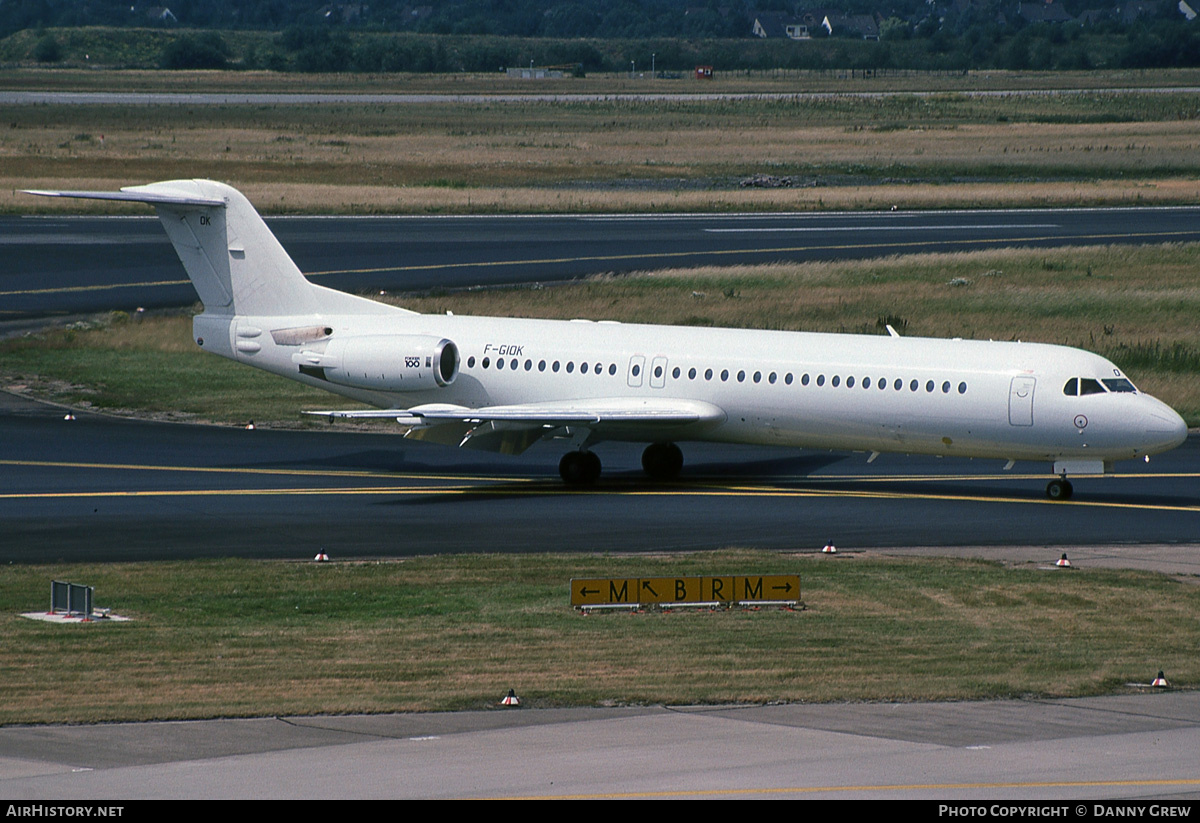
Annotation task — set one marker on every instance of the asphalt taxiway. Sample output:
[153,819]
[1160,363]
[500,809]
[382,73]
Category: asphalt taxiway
[63,265]
[102,489]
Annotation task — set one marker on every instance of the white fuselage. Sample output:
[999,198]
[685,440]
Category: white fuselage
[836,391]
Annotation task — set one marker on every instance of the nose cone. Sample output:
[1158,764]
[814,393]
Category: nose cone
[1164,428]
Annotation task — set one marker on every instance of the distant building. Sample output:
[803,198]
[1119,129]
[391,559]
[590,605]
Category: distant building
[778,25]
[159,14]
[852,25]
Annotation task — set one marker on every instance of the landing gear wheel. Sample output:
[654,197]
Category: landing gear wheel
[1059,489]
[662,461]
[579,468]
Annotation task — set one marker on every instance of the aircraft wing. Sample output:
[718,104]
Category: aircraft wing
[512,429]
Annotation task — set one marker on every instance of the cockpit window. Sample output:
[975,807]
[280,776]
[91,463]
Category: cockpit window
[1119,384]
[1072,387]
[1088,385]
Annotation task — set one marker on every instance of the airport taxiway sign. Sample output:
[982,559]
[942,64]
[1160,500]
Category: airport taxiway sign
[611,591]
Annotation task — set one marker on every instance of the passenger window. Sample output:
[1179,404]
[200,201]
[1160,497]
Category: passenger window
[528,365]
[691,374]
[836,381]
[499,362]
[898,384]
[675,372]
[570,366]
[612,368]
[929,386]
[513,364]
[758,377]
[771,379]
[820,380]
[554,368]
[849,382]
[804,380]
[866,382]
[962,388]
[914,385]
[471,362]
[946,387]
[708,374]
[583,367]
[637,370]
[742,376]
[485,362]
[541,365]
[724,375]
[599,368]
[788,378]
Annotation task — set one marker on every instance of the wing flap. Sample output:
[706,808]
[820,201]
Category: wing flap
[591,413]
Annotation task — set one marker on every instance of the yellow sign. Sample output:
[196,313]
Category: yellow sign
[614,591]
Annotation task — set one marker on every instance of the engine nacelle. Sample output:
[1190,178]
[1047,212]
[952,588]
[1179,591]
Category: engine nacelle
[384,362]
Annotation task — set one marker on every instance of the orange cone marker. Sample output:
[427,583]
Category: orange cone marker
[1160,682]
[511,699]
[1063,562]
[829,548]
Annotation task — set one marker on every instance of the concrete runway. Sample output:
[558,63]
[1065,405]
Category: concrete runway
[1125,747]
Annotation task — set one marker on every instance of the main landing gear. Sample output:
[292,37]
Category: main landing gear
[661,461]
[1059,489]
[581,468]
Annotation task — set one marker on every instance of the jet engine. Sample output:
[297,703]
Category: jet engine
[384,362]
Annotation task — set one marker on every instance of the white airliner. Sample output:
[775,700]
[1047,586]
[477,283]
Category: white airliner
[502,384]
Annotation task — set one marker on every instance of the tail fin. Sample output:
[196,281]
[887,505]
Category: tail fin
[232,258]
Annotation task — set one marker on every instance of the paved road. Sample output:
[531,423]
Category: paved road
[65,265]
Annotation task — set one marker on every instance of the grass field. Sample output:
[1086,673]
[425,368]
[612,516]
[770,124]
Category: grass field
[237,638]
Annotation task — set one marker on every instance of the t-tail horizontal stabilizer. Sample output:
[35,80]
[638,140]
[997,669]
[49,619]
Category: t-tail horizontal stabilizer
[231,257]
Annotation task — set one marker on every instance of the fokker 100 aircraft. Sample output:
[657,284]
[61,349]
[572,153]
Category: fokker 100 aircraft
[502,384]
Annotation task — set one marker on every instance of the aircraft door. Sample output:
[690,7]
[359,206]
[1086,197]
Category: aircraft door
[658,373]
[1020,401]
[637,365]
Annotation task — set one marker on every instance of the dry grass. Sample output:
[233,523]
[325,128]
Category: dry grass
[247,638]
[915,152]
